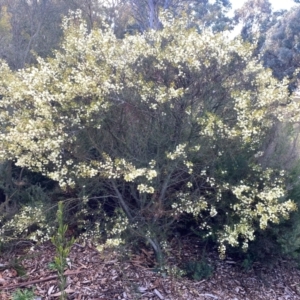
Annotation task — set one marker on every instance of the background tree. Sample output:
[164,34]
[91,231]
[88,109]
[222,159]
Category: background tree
[5,30]
[34,27]
[145,14]
[281,50]
[255,17]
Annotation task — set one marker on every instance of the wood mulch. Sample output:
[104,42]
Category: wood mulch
[112,274]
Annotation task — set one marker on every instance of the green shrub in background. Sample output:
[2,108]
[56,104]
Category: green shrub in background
[23,295]
[32,218]
[29,223]
[288,234]
[26,211]
[198,270]
[278,240]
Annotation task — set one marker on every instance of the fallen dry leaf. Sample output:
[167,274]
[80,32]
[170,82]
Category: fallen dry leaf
[67,291]
[114,277]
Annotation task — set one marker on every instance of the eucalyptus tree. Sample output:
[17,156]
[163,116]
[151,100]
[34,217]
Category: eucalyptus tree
[281,49]
[145,14]
[34,27]
[255,17]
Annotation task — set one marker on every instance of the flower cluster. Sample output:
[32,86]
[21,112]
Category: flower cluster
[153,117]
[19,225]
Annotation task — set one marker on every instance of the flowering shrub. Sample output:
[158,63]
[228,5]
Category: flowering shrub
[153,117]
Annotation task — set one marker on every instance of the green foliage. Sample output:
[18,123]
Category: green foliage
[16,264]
[26,210]
[25,294]
[63,247]
[145,15]
[288,234]
[277,240]
[198,270]
[289,238]
[31,218]
[280,51]
[162,125]
[280,150]
[247,263]
[265,250]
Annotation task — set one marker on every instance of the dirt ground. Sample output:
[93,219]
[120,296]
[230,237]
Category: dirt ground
[112,274]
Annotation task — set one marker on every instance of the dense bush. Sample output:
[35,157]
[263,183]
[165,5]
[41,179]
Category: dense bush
[158,125]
